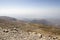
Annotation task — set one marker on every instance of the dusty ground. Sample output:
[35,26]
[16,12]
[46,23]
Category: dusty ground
[17,34]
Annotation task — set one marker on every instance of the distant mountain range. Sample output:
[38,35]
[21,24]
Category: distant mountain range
[42,21]
[55,22]
[38,21]
[6,18]
[47,21]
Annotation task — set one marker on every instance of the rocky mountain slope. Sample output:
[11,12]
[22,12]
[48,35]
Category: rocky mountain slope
[16,34]
[20,30]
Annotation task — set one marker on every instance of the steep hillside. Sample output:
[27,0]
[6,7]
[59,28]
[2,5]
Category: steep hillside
[8,22]
[10,30]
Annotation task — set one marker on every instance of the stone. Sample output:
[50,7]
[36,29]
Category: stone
[5,30]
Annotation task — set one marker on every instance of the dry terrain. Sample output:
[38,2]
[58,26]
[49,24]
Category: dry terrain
[20,30]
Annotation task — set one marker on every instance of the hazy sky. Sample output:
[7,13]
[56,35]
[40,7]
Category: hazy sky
[30,8]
